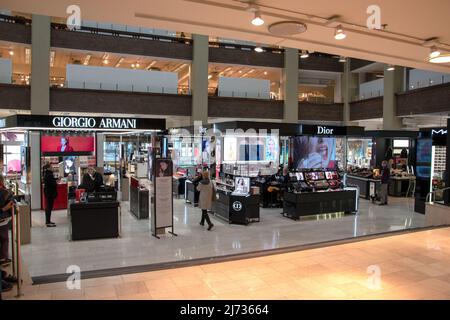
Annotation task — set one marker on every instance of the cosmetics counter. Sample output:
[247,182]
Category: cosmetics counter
[317,191]
[366,180]
[237,202]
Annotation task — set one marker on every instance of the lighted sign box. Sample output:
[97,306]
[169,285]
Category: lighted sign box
[89,123]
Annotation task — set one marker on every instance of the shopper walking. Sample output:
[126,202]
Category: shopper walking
[385,175]
[205,200]
[50,192]
[6,205]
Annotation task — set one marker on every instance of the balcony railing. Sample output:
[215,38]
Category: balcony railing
[124,31]
[368,95]
[433,81]
[15,19]
[181,90]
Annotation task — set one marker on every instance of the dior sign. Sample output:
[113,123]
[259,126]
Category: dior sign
[324,130]
[90,123]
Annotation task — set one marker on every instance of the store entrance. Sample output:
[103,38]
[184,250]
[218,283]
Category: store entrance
[260,184]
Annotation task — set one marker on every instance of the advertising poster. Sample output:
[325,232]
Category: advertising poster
[163,172]
[229,149]
[242,185]
[314,152]
[67,144]
[272,145]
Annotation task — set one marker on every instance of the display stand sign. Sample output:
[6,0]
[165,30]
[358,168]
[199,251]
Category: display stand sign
[162,208]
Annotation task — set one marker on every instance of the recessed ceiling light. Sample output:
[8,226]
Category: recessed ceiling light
[259,49]
[434,52]
[105,61]
[390,68]
[257,20]
[240,71]
[443,58]
[339,33]
[304,54]
[265,73]
[209,76]
[11,52]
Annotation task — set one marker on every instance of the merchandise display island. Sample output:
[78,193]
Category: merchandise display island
[94,220]
[297,204]
[314,192]
[366,183]
[237,208]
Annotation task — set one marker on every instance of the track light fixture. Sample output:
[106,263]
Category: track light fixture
[258,49]
[434,52]
[304,54]
[257,20]
[339,33]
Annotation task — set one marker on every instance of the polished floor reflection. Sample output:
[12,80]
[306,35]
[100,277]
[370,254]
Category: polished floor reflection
[409,266]
[51,252]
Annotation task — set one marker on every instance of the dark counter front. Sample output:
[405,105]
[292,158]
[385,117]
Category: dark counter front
[95,220]
[297,205]
[237,209]
[398,187]
[139,202]
[367,187]
[191,193]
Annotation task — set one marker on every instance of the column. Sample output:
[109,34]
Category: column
[393,83]
[100,149]
[40,65]
[199,79]
[350,89]
[35,161]
[289,83]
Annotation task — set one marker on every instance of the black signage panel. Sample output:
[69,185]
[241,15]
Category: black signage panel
[87,123]
[319,130]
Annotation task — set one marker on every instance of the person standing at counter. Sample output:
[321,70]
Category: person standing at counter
[98,179]
[385,175]
[87,182]
[50,192]
[206,189]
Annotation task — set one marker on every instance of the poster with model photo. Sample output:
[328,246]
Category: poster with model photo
[314,152]
[229,149]
[163,192]
[241,185]
[272,144]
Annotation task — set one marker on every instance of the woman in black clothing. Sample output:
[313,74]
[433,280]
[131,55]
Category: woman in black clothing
[50,192]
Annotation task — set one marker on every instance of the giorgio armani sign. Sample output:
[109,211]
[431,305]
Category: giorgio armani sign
[87,123]
[91,123]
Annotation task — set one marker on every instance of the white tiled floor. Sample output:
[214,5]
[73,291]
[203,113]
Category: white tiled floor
[51,252]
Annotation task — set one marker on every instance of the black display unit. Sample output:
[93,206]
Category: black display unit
[139,200]
[95,220]
[191,193]
[238,209]
[427,139]
[297,205]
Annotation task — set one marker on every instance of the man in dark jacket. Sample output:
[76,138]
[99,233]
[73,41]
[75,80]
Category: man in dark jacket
[50,192]
[385,175]
[98,179]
